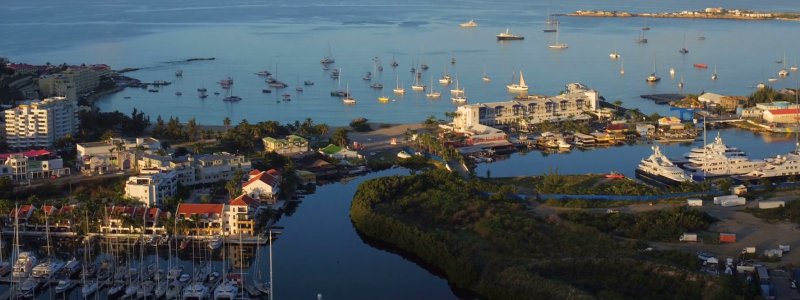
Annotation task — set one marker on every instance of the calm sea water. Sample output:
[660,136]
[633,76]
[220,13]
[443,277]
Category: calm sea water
[319,251]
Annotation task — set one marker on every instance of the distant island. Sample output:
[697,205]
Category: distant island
[708,13]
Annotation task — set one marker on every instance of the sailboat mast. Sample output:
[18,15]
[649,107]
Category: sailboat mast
[271,286]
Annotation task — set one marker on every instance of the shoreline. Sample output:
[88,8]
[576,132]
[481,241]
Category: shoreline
[740,16]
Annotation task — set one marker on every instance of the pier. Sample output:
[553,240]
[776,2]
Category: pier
[663,98]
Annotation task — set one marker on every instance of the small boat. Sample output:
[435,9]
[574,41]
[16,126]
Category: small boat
[179,73]
[417,86]
[431,93]
[700,66]
[266,91]
[278,84]
[263,73]
[714,76]
[178,94]
[216,93]
[347,99]
[214,243]
[153,90]
[299,89]
[485,77]
[399,89]
[367,76]
[671,72]
[424,67]
[376,85]
[653,78]
[469,24]
[232,99]
[614,175]
[614,55]
[89,288]
[383,99]
[308,82]
[126,97]
[684,50]
[457,90]
[286,97]
[772,79]
[517,87]
[64,286]
[507,36]
[761,85]
[202,89]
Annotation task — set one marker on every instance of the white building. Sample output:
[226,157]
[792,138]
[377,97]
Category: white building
[33,164]
[113,154]
[152,186]
[208,168]
[40,123]
[571,104]
[73,82]
[263,185]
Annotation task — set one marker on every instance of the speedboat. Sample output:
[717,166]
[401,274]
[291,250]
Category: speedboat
[195,291]
[227,290]
[64,286]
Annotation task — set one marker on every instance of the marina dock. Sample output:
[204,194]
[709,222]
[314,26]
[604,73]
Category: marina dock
[663,98]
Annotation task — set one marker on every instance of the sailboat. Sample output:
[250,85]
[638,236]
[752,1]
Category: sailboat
[714,75]
[50,265]
[671,72]
[456,91]
[460,97]
[680,84]
[5,267]
[446,79]
[89,287]
[641,39]
[348,99]
[230,97]
[684,50]
[549,23]
[558,45]
[653,77]
[485,77]
[622,66]
[227,289]
[431,93]
[328,59]
[417,86]
[783,72]
[517,87]
[338,93]
[399,88]
[793,68]
[645,26]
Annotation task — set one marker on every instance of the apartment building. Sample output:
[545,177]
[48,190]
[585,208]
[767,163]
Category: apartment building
[40,123]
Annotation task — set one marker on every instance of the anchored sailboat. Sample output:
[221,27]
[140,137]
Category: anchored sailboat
[518,87]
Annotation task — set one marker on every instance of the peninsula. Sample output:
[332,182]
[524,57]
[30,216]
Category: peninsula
[708,13]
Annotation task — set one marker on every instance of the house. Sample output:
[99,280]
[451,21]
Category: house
[21,214]
[133,219]
[204,219]
[152,186]
[263,185]
[785,116]
[321,168]
[33,164]
[291,145]
[241,213]
[339,152]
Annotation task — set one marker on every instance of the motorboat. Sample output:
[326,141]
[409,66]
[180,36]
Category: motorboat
[24,265]
[781,166]
[508,36]
[28,287]
[145,289]
[469,24]
[383,99]
[72,267]
[614,55]
[47,269]
[308,82]
[660,168]
[89,288]
[700,66]
[195,291]
[263,73]
[232,99]
[562,144]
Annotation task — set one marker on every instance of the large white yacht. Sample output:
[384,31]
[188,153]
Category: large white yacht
[659,168]
[779,166]
[727,164]
[717,147]
[24,265]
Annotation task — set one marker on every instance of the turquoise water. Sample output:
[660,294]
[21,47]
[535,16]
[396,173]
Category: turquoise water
[319,251]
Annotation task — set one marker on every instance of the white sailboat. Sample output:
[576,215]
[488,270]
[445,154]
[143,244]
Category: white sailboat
[652,78]
[517,87]
[783,72]
[459,97]
[399,88]
[714,75]
[417,86]
[431,93]
[558,45]
[485,77]
[328,59]
[456,91]
[348,99]
[446,79]
[89,287]
[622,66]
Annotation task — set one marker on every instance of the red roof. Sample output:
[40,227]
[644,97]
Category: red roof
[189,209]
[254,172]
[274,172]
[49,209]
[785,111]
[263,177]
[29,153]
[66,209]
[23,211]
[244,200]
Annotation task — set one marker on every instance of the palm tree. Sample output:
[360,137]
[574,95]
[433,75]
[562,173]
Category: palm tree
[617,103]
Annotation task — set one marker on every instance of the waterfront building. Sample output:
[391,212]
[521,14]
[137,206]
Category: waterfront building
[533,109]
[670,123]
[263,185]
[113,154]
[152,186]
[133,219]
[208,168]
[727,103]
[33,164]
[340,153]
[40,123]
[207,219]
[784,116]
[241,213]
[291,145]
[74,82]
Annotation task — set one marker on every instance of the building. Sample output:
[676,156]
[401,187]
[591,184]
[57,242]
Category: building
[40,123]
[241,213]
[113,154]
[33,164]
[291,145]
[152,186]
[727,103]
[205,219]
[670,123]
[134,219]
[208,168]
[74,82]
[340,153]
[785,116]
[571,104]
[20,214]
[263,185]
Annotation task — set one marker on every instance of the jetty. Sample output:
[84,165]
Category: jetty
[663,98]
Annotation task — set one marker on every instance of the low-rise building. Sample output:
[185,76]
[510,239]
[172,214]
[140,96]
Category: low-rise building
[133,219]
[208,168]
[784,116]
[291,145]
[263,185]
[151,187]
[204,219]
[241,214]
[571,104]
[33,164]
[113,154]
[339,152]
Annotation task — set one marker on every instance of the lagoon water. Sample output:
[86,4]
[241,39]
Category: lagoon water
[319,251]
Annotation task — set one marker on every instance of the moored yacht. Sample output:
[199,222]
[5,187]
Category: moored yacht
[469,24]
[24,265]
[507,36]
[227,290]
[717,147]
[519,86]
[195,291]
[660,168]
[46,269]
[781,166]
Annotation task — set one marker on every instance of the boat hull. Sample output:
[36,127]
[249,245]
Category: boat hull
[655,179]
